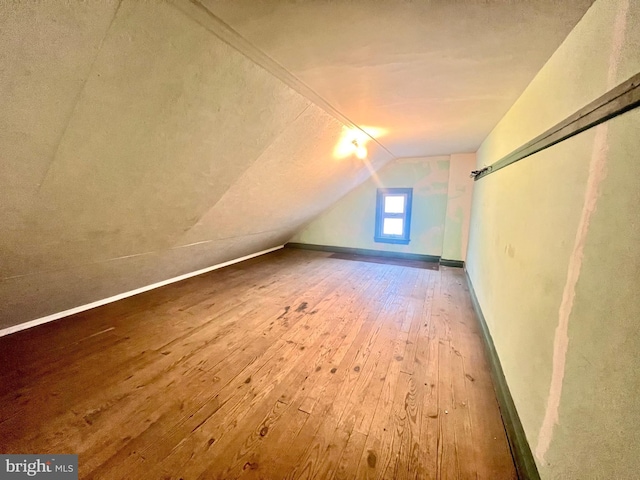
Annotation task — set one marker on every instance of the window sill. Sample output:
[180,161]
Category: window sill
[398,241]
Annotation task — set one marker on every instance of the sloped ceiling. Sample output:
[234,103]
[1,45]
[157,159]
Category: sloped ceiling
[436,75]
[144,140]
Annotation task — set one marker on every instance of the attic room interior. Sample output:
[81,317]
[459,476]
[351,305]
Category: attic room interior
[320,239]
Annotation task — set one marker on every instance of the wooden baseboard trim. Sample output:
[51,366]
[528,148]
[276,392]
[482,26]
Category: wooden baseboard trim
[364,251]
[451,263]
[120,296]
[520,449]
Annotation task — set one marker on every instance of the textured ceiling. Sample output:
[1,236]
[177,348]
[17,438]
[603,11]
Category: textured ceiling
[143,140]
[435,75]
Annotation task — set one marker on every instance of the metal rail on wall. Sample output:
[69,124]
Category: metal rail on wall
[616,101]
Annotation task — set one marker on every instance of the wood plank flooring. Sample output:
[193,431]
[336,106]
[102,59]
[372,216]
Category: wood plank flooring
[292,365]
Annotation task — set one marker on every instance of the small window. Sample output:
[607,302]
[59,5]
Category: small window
[393,215]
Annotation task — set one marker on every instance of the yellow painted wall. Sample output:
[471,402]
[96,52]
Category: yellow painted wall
[440,212]
[459,194]
[554,257]
[137,146]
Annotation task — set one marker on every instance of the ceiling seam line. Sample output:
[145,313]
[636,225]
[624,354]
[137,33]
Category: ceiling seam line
[77,99]
[236,41]
[143,254]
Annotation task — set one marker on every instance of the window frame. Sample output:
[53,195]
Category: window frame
[379,236]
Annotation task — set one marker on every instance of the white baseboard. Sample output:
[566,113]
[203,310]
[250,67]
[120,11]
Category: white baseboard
[120,296]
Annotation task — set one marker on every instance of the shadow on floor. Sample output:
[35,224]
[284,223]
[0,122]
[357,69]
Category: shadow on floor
[386,260]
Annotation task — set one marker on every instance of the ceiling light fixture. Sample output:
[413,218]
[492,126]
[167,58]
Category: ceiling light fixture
[361,151]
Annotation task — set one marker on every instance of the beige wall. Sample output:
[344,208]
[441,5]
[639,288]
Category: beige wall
[440,213]
[137,146]
[554,257]
[459,194]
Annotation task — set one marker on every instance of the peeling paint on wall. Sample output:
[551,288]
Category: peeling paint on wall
[350,221]
[597,173]
[459,196]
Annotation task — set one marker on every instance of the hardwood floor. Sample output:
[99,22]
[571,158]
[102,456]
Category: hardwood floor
[292,365]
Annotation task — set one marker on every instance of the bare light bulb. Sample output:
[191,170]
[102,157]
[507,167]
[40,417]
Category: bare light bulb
[361,152]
